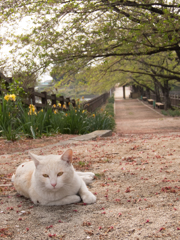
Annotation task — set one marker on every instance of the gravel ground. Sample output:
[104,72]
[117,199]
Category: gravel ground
[137,188]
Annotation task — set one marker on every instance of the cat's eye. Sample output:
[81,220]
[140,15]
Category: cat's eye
[45,175]
[59,174]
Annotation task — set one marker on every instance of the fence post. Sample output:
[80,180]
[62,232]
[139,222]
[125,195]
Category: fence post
[61,101]
[32,95]
[44,99]
[124,92]
[54,99]
[67,102]
[73,102]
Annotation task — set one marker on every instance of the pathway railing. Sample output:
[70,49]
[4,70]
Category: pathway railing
[97,102]
[175,99]
[42,100]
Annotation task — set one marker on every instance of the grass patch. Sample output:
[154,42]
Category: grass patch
[99,175]
[82,164]
[130,113]
[165,113]
[110,109]
[172,113]
[107,160]
[111,99]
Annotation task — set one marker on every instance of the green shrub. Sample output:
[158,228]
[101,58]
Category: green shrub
[110,109]
[34,123]
[164,112]
[172,113]
[101,121]
[17,120]
[111,99]
[9,124]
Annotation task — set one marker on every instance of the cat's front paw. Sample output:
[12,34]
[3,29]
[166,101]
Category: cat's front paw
[88,198]
[87,179]
[91,174]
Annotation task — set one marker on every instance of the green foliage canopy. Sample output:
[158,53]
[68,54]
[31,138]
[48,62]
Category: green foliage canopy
[80,31]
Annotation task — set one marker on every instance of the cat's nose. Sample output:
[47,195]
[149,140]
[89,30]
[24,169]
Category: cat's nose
[53,184]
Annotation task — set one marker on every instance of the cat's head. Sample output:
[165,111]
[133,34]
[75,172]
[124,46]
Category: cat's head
[53,171]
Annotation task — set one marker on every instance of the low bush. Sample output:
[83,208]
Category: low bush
[9,122]
[110,109]
[172,113]
[164,112]
[17,120]
[111,99]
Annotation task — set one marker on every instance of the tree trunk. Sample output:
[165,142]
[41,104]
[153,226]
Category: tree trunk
[157,93]
[140,89]
[178,52]
[167,100]
[147,93]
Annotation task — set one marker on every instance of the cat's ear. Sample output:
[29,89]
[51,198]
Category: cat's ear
[67,156]
[34,158]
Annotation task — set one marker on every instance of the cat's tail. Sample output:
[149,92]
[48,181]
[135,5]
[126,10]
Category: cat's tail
[12,178]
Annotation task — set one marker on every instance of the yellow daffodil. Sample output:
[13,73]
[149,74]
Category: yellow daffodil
[93,115]
[10,97]
[6,97]
[55,111]
[32,110]
[83,111]
[66,114]
[75,111]
[31,106]
[54,105]
[40,111]
[59,104]
[64,106]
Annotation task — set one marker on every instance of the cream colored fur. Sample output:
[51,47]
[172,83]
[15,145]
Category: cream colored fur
[39,180]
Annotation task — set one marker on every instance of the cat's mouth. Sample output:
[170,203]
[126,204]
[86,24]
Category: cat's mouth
[54,188]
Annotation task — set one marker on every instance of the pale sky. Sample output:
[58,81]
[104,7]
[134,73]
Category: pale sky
[22,27]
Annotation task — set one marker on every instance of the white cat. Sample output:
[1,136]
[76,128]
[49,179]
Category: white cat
[52,180]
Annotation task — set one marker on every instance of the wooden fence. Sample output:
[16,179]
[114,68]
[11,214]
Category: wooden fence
[175,99]
[42,100]
[96,102]
[90,105]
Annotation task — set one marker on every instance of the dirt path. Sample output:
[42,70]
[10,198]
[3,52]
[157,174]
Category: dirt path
[137,184]
[134,116]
